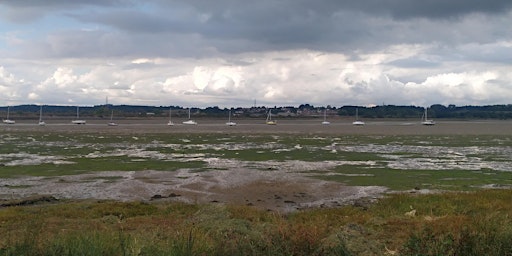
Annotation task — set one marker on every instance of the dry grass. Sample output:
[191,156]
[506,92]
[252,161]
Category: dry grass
[444,224]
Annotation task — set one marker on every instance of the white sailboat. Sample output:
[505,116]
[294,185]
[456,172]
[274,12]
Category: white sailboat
[230,123]
[425,120]
[8,121]
[41,122]
[78,120]
[189,121]
[325,122]
[269,120]
[112,123]
[170,123]
[357,121]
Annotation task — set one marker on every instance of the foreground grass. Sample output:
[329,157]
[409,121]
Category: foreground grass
[472,223]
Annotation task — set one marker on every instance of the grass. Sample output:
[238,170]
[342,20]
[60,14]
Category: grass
[394,179]
[83,165]
[471,223]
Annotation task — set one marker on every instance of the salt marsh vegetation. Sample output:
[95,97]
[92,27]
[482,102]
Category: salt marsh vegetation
[255,194]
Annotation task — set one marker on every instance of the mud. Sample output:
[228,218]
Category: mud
[271,190]
[279,187]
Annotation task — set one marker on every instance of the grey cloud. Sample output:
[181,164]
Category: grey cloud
[413,63]
[62,4]
[407,9]
[396,8]
[28,11]
[200,28]
[235,26]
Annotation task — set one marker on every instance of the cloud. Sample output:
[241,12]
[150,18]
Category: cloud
[200,29]
[274,78]
[203,53]
[28,11]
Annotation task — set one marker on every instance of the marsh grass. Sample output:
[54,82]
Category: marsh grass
[397,179]
[88,165]
[471,223]
[474,222]
[86,153]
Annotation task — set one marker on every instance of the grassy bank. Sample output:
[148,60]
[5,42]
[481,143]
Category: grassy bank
[469,223]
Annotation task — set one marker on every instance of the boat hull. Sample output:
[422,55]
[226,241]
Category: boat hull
[78,122]
[428,122]
[190,122]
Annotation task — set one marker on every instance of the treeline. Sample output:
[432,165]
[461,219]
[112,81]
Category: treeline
[436,111]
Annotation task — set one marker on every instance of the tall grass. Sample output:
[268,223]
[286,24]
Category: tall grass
[471,223]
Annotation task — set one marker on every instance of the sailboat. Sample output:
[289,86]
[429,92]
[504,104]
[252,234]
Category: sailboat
[78,120]
[357,121]
[112,123]
[170,123]
[325,122]
[230,123]
[189,121]
[8,121]
[269,120]
[41,122]
[425,120]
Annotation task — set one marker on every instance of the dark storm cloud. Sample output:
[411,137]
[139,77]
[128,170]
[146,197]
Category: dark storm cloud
[284,11]
[396,8]
[235,26]
[405,9]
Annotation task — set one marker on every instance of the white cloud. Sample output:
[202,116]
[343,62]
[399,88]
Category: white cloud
[63,77]
[272,78]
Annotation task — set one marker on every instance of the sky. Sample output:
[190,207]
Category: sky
[235,53]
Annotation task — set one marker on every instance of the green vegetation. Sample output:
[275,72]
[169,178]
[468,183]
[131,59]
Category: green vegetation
[397,162]
[475,223]
[468,221]
[84,165]
[458,180]
[382,111]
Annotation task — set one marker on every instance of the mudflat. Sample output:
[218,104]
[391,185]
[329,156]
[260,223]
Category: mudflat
[272,185]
